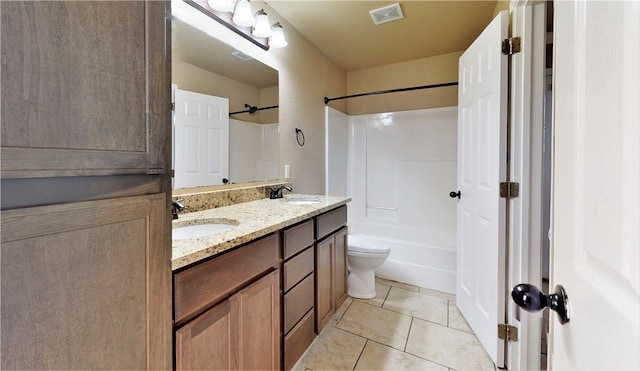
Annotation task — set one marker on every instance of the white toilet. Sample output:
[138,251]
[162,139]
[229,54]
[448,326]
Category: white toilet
[364,256]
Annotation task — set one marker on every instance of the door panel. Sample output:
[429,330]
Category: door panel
[259,321]
[71,107]
[482,98]
[201,139]
[596,206]
[84,286]
[209,341]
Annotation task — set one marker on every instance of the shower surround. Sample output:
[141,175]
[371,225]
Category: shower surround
[400,169]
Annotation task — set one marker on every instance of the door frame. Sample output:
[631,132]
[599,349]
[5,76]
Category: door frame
[525,212]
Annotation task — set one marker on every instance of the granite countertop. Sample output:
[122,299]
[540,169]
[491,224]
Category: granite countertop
[254,219]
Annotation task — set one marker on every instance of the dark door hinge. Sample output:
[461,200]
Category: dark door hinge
[507,332]
[511,46]
[173,106]
[509,190]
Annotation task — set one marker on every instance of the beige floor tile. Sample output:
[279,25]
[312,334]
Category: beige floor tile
[456,319]
[446,346]
[440,294]
[398,284]
[381,357]
[381,325]
[340,312]
[430,308]
[333,349]
[381,294]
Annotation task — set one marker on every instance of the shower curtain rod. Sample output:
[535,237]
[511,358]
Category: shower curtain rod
[252,109]
[327,100]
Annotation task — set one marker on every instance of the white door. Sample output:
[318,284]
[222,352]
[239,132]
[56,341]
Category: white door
[596,202]
[201,139]
[482,122]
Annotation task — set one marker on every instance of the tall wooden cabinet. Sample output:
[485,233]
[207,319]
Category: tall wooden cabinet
[85,141]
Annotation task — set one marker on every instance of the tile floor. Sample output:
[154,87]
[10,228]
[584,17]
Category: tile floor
[404,328]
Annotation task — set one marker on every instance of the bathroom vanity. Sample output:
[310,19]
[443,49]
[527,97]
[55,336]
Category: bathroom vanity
[255,296]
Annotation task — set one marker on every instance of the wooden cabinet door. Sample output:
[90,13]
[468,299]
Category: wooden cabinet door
[324,270]
[85,88]
[86,286]
[209,341]
[240,333]
[340,271]
[258,308]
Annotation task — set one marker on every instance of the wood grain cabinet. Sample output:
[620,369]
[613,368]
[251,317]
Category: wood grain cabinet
[240,333]
[84,286]
[331,264]
[227,310]
[298,288]
[85,88]
[84,145]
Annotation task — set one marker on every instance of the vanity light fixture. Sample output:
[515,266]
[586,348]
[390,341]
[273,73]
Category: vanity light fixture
[237,16]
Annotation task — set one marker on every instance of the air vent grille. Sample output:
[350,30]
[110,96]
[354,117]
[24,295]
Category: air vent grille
[386,14]
[240,55]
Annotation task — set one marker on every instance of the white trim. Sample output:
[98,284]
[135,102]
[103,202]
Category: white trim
[527,91]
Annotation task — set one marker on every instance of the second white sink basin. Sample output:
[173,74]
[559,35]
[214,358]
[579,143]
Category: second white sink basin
[200,230]
[294,201]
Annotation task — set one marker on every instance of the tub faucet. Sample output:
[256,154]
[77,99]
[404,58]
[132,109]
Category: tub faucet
[176,206]
[277,193]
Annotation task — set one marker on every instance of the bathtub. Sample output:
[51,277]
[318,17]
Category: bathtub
[419,264]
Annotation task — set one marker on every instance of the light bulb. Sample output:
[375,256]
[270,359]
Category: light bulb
[262,28]
[242,16]
[277,38]
[221,5]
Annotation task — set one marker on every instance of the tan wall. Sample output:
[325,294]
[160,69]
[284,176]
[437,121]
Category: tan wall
[269,97]
[500,6]
[196,79]
[306,76]
[425,71]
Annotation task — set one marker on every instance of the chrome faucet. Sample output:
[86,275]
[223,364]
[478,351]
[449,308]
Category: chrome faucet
[176,206]
[277,193]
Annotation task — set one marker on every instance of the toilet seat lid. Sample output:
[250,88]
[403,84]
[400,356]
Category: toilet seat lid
[366,245]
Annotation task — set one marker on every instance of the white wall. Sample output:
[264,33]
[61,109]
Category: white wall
[336,152]
[253,151]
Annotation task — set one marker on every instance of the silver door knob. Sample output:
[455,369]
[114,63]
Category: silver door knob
[531,299]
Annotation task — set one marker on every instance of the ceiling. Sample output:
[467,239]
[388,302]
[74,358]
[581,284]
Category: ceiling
[346,34]
[199,49]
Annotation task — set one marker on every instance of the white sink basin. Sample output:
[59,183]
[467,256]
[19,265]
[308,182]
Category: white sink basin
[302,202]
[201,230]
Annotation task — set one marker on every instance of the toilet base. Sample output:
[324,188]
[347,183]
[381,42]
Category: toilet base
[361,284]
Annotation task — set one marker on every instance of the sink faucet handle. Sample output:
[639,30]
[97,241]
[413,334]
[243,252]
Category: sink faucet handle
[277,192]
[176,206]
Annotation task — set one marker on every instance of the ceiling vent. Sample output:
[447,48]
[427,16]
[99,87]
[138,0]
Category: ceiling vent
[240,55]
[386,14]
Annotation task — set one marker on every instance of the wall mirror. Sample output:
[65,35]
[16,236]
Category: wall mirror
[204,65]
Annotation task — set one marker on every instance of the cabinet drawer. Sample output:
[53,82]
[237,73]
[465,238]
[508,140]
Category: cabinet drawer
[297,268]
[210,281]
[297,302]
[297,238]
[330,221]
[298,340]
